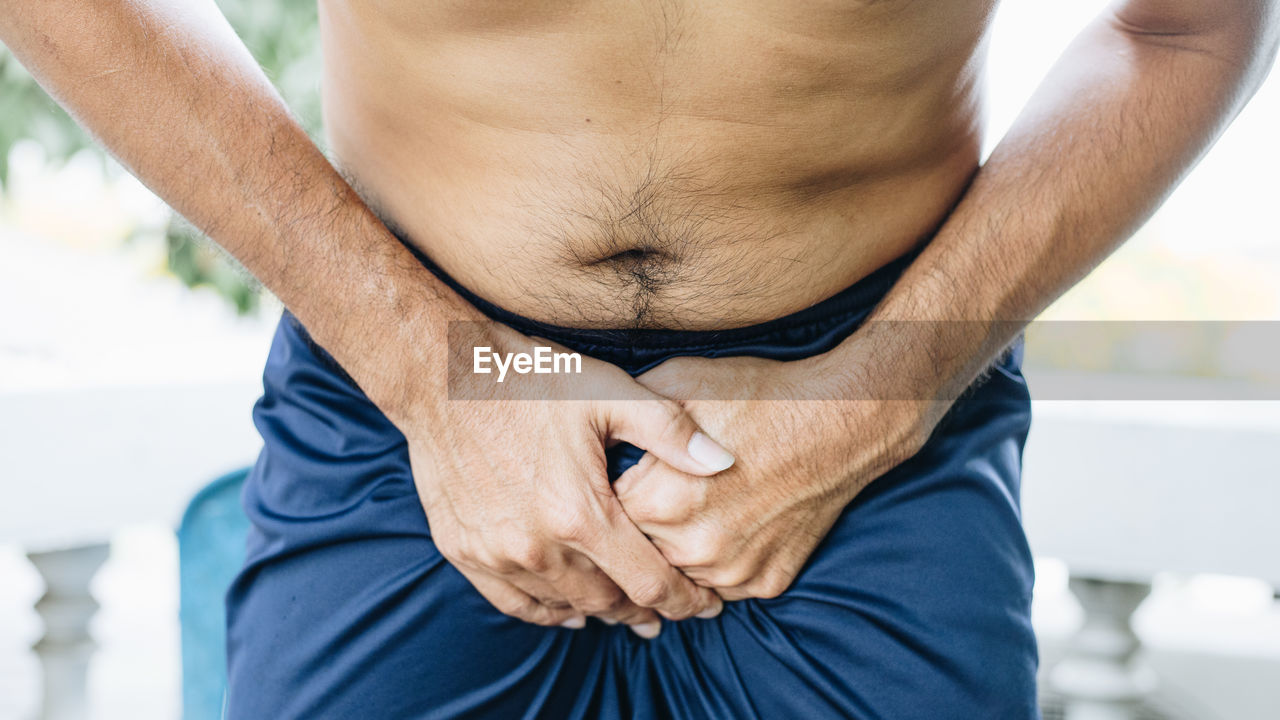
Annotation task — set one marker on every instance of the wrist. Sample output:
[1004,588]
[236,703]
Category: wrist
[899,377]
[446,369]
[930,337]
[391,330]
[862,427]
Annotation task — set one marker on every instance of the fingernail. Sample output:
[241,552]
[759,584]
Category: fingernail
[648,631]
[575,623]
[708,453]
[608,621]
[712,611]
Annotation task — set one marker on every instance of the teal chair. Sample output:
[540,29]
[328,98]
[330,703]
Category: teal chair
[211,546]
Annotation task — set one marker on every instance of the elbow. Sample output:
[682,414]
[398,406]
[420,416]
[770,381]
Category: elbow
[1254,46]
[1234,28]
[1252,49]
[1268,40]
[1242,34]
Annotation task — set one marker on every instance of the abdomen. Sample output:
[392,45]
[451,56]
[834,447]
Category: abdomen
[656,165]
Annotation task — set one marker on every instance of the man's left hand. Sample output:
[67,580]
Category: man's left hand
[804,449]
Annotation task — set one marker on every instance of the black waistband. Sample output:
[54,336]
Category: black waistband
[858,298]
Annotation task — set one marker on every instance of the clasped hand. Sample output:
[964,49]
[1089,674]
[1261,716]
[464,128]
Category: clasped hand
[518,500]
[806,442]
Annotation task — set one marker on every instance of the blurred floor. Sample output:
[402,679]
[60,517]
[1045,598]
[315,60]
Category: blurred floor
[1215,641]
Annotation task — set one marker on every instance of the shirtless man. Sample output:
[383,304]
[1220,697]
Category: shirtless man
[752,217]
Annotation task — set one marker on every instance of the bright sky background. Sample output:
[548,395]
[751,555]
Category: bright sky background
[1213,251]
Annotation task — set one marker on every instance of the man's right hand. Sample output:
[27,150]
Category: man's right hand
[516,492]
[518,500]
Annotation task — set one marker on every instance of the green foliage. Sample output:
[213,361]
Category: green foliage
[31,114]
[282,35]
[197,261]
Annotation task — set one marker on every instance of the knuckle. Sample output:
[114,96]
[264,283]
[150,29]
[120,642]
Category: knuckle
[769,589]
[519,608]
[485,557]
[670,410]
[602,603]
[635,615]
[554,602]
[521,550]
[541,615]
[675,500]
[686,609]
[651,594]
[770,584]
[569,526]
[730,577]
[671,415]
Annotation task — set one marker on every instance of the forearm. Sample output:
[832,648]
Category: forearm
[1125,113]
[169,90]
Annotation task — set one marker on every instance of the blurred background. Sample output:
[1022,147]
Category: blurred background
[130,352]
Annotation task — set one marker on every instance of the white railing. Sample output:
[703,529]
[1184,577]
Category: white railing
[1121,491]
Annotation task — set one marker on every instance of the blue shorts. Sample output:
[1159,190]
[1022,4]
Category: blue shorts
[916,605]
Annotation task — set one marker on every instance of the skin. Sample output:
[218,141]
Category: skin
[541,534]
[747,532]
[711,166]
[664,164]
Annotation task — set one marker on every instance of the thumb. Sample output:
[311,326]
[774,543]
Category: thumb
[665,430]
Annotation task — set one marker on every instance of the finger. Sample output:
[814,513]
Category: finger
[510,600]
[588,589]
[734,593]
[671,379]
[630,479]
[585,588]
[663,428]
[755,589]
[639,569]
[764,584]
[705,577]
[653,494]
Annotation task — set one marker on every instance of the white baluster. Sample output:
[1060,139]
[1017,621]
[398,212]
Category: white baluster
[66,608]
[1100,678]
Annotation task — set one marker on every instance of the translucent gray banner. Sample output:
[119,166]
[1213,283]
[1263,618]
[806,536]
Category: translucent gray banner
[1065,360]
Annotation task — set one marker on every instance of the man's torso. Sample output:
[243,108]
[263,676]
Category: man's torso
[662,163]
